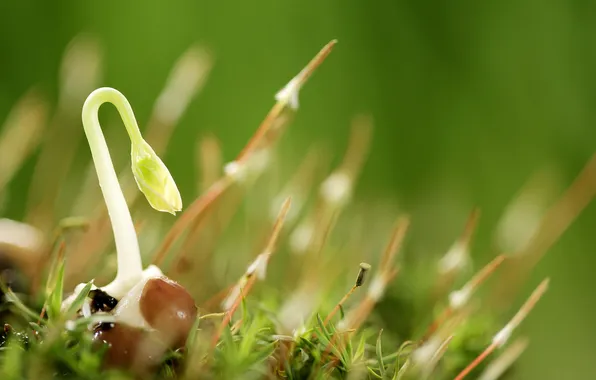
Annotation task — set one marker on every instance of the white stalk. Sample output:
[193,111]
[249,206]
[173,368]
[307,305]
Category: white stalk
[130,268]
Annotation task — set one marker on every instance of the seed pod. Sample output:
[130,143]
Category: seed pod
[364,268]
[129,348]
[157,314]
[168,308]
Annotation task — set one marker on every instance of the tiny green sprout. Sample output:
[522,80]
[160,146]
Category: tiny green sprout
[152,177]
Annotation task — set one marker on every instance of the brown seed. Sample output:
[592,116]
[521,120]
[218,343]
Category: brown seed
[130,348]
[168,308]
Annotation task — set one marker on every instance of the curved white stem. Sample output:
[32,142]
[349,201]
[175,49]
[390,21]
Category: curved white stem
[130,268]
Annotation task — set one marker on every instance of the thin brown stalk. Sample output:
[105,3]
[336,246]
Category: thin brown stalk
[339,305]
[215,301]
[255,270]
[209,161]
[560,216]
[395,242]
[80,72]
[485,272]
[194,211]
[362,274]
[458,255]
[285,207]
[269,124]
[356,319]
[300,185]
[530,303]
[504,361]
[206,229]
[522,216]
[21,133]
[244,290]
[489,350]
[202,204]
[502,336]
[280,106]
[469,288]
[384,275]
[358,146]
[438,355]
[470,228]
[366,306]
[554,223]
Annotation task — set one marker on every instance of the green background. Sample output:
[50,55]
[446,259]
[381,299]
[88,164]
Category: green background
[469,99]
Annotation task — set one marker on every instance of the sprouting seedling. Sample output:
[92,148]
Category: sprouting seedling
[141,301]
[151,175]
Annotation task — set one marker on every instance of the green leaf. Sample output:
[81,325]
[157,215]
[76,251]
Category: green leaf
[360,349]
[80,323]
[348,349]
[12,298]
[192,337]
[12,365]
[401,350]
[264,352]
[379,351]
[372,372]
[79,300]
[54,300]
[323,328]
[37,328]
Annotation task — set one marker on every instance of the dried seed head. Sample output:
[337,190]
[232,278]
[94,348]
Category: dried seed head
[337,188]
[376,289]
[288,96]
[455,259]
[250,168]
[459,298]
[301,238]
[364,268]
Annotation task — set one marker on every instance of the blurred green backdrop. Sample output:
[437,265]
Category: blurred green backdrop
[469,100]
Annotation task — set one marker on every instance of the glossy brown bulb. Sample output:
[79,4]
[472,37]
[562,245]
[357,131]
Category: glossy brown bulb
[153,317]
[168,308]
[129,348]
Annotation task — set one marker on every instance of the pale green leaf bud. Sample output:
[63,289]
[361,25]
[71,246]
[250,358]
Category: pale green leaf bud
[154,179]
